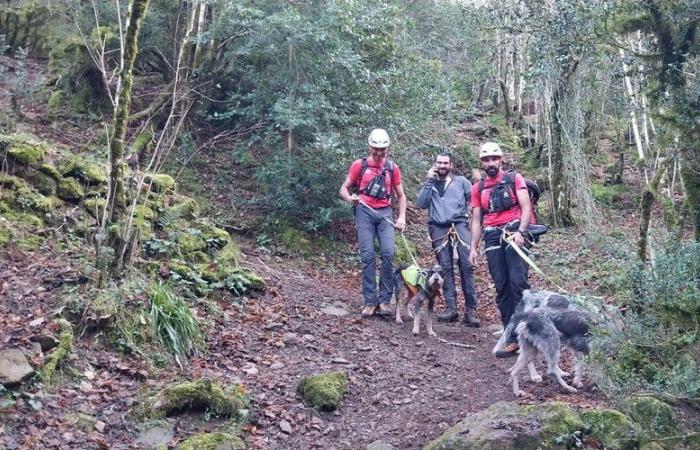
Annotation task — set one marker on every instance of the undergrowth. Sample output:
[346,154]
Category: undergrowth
[657,347]
[173,323]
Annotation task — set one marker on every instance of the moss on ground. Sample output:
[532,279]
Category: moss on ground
[25,153]
[200,395]
[612,427]
[653,415]
[296,241]
[324,391]
[212,441]
[65,346]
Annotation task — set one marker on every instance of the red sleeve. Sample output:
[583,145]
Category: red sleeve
[519,182]
[396,176]
[354,172]
[475,199]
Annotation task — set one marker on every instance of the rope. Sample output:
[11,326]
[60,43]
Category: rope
[510,239]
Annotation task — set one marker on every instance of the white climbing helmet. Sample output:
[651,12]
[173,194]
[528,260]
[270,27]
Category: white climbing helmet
[490,149]
[378,138]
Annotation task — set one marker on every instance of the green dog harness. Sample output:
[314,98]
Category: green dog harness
[415,277]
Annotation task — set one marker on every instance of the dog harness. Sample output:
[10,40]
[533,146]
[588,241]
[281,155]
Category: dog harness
[415,279]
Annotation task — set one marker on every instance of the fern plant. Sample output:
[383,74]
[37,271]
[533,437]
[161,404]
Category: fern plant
[173,323]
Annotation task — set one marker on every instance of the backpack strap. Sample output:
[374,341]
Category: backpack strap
[509,179]
[388,168]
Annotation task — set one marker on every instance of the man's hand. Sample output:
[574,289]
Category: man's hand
[518,239]
[401,223]
[473,256]
[354,199]
[432,172]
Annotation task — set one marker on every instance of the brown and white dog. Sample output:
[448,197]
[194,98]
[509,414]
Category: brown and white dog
[422,285]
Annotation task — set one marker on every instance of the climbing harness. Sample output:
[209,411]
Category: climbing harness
[451,238]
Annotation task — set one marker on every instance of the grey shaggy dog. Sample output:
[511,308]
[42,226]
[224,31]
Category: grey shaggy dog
[543,322]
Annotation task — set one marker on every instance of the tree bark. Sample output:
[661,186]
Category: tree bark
[648,197]
[116,199]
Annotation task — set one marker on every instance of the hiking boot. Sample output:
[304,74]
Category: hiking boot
[368,310]
[384,309]
[510,350]
[448,316]
[471,319]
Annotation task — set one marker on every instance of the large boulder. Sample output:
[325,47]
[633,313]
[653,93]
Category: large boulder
[14,367]
[504,426]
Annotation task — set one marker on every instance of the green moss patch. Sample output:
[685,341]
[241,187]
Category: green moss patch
[212,441]
[324,391]
[84,170]
[612,427]
[653,415]
[65,346]
[25,153]
[200,395]
[70,189]
[28,199]
[160,182]
[12,182]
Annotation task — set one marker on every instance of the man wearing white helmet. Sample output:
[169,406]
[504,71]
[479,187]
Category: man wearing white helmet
[377,180]
[503,202]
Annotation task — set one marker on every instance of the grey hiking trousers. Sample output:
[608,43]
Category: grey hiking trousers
[371,224]
[438,234]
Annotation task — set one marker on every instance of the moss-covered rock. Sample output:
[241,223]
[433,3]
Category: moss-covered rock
[212,441]
[519,428]
[176,208]
[229,256]
[94,206]
[28,199]
[56,101]
[324,391]
[50,170]
[200,395]
[653,416]
[214,236]
[41,182]
[70,189]
[30,220]
[83,169]
[12,182]
[188,243]
[145,213]
[160,182]
[82,421]
[24,151]
[612,427]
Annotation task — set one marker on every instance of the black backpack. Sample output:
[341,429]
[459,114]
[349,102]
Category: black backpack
[508,181]
[388,168]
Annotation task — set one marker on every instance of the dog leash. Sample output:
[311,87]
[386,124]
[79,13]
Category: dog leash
[393,224]
[510,239]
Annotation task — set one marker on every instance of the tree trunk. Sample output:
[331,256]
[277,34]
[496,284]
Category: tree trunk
[647,202]
[116,199]
[561,198]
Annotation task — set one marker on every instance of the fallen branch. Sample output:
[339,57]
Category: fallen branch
[456,344]
[65,345]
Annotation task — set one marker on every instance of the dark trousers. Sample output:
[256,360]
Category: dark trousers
[508,271]
[445,257]
[370,225]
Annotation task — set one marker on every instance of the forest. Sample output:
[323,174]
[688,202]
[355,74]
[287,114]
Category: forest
[178,270]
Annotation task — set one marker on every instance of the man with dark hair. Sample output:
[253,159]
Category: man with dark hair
[505,208]
[377,180]
[446,196]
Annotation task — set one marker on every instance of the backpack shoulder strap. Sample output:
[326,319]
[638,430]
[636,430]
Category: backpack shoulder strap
[363,168]
[389,167]
[482,182]
[509,179]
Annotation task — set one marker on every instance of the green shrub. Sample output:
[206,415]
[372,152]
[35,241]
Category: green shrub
[652,347]
[173,323]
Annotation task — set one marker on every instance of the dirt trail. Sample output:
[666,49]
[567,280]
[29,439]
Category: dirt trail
[404,390]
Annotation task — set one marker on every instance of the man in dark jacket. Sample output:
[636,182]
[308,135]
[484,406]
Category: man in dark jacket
[447,198]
